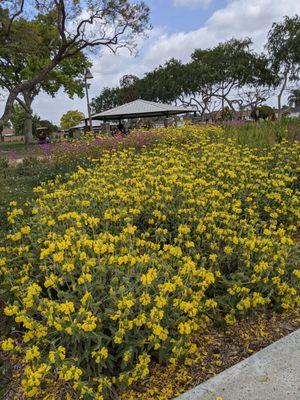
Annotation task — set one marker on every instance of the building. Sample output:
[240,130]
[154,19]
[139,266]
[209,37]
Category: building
[140,110]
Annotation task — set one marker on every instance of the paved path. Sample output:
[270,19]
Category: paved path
[271,374]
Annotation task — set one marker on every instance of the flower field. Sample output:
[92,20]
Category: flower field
[122,264]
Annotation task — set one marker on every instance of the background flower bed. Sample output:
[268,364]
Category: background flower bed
[128,258]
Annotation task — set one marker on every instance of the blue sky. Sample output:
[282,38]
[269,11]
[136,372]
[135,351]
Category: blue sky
[179,26]
[181,17]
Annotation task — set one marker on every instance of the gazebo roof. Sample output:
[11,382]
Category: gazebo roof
[141,109]
[82,125]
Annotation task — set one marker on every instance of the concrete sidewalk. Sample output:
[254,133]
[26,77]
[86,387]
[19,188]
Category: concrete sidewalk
[271,374]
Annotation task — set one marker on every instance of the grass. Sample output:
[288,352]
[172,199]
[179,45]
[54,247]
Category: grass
[18,149]
[263,133]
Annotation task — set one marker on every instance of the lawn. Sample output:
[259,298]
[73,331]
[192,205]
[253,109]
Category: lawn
[154,246]
[16,150]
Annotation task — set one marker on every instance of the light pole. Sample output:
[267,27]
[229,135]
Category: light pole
[88,75]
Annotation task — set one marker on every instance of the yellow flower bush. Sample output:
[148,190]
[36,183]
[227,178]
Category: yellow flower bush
[126,260]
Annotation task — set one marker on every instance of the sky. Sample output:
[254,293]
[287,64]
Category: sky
[179,26]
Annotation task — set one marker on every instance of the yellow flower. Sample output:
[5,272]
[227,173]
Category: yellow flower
[145,299]
[149,277]
[213,257]
[32,353]
[8,344]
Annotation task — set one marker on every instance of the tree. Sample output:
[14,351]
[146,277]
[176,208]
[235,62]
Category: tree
[223,71]
[44,123]
[18,120]
[283,48]
[294,98]
[108,98]
[34,37]
[129,88]
[71,118]
[163,83]
[76,27]
[264,112]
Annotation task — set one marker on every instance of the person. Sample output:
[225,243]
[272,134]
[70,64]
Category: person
[121,128]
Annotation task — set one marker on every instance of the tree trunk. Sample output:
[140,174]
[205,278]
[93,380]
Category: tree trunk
[28,121]
[277,127]
[285,79]
[279,106]
[9,107]
[28,129]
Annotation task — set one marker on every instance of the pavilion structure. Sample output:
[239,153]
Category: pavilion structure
[140,109]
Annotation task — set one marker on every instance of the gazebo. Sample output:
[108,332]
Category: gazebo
[141,109]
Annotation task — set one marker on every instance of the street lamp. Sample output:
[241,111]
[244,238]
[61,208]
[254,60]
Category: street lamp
[88,75]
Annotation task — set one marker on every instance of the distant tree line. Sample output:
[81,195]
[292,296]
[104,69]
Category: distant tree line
[229,76]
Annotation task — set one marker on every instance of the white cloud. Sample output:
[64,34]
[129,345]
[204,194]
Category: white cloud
[191,3]
[239,18]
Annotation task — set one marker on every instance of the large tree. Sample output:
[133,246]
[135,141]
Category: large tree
[78,26]
[283,47]
[223,72]
[34,39]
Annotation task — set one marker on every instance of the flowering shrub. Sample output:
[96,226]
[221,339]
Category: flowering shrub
[128,258]
[74,151]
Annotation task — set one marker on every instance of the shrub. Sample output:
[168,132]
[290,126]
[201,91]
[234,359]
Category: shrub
[74,152]
[128,258]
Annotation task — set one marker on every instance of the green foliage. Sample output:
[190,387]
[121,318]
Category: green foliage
[263,112]
[266,112]
[49,125]
[30,48]
[18,120]
[71,118]
[108,98]
[283,47]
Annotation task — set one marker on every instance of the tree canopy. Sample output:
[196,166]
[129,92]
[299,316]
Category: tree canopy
[283,48]
[34,37]
[71,118]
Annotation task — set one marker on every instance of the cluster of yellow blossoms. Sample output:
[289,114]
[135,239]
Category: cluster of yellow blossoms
[126,260]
